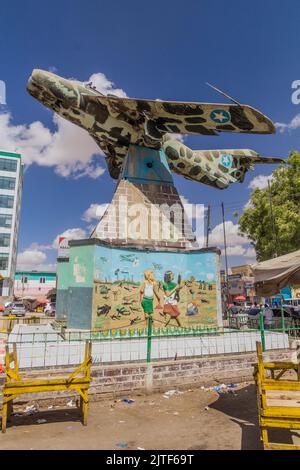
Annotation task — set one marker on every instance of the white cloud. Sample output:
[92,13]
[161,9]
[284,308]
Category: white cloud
[71,234]
[260,181]
[69,149]
[239,250]
[291,126]
[31,259]
[94,212]
[250,253]
[105,86]
[237,245]
[233,238]
[179,137]
[35,258]
[248,205]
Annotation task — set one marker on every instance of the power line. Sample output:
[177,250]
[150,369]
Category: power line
[225,250]
[208,225]
[273,222]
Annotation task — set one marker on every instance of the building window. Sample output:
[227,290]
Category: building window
[4,239]
[24,279]
[42,280]
[5,220]
[8,164]
[6,182]
[6,202]
[3,261]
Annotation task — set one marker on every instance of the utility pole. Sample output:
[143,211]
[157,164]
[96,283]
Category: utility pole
[225,249]
[273,222]
[208,225]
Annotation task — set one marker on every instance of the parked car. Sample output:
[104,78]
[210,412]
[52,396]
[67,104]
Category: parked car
[50,309]
[253,311]
[291,318]
[15,308]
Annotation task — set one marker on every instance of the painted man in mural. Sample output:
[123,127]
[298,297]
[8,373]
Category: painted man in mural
[171,297]
[148,290]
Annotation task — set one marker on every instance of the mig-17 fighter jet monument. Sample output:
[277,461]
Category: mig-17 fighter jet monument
[143,258]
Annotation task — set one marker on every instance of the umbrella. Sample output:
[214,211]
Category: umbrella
[42,301]
[240,297]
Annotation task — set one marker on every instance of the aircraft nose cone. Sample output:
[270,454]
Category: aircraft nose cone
[38,74]
[50,86]
[38,82]
[40,77]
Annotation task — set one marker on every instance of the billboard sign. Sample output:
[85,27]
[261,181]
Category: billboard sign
[63,247]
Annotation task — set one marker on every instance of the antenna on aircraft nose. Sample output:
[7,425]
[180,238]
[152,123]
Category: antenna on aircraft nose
[223,93]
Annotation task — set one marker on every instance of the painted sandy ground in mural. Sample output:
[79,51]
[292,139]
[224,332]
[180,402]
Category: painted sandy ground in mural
[176,289]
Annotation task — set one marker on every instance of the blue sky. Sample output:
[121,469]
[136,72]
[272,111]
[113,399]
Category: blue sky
[156,49]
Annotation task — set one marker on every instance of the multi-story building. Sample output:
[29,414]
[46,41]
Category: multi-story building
[34,283]
[11,176]
[240,283]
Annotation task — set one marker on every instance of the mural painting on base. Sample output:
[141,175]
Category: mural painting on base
[176,289]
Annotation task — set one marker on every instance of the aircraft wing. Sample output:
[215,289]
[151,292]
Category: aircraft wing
[189,118]
[245,155]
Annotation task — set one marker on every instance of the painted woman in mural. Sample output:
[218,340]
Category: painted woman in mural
[148,290]
[171,297]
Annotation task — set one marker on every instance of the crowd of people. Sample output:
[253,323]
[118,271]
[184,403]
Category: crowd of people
[255,309]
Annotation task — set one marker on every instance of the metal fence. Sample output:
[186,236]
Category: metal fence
[53,346]
[287,322]
[7,323]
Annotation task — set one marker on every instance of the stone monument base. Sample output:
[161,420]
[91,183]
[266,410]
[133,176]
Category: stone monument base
[144,232]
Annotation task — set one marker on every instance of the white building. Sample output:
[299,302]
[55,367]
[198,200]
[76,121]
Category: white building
[11,176]
[34,283]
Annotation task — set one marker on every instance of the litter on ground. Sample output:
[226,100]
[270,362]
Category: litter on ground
[121,444]
[71,404]
[223,388]
[171,393]
[30,409]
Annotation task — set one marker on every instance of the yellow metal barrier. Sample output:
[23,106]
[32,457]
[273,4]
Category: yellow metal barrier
[7,323]
[277,399]
[14,384]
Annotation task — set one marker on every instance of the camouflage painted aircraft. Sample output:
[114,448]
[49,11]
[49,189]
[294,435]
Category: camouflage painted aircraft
[117,122]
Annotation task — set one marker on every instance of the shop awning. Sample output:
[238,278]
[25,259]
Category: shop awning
[272,275]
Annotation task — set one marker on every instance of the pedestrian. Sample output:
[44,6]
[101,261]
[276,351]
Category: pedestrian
[268,314]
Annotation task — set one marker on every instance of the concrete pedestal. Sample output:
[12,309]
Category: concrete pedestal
[145,228]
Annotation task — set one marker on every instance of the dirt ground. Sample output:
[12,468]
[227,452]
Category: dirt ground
[193,420]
